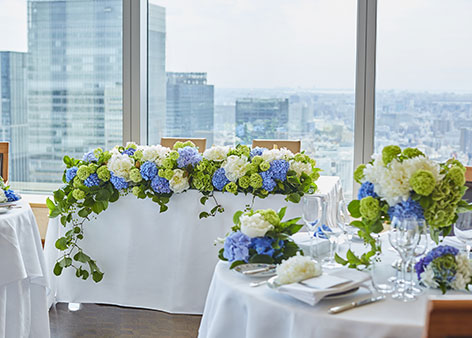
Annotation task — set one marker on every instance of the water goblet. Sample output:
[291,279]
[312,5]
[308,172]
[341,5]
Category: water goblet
[344,222]
[312,217]
[333,233]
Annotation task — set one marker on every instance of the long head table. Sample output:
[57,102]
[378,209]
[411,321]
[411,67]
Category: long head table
[161,261]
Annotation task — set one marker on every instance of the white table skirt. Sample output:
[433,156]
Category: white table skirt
[23,277]
[161,261]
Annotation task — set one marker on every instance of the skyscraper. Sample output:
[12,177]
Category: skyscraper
[13,117]
[190,106]
[261,119]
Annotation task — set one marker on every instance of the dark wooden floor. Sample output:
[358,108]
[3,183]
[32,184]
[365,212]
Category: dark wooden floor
[113,321]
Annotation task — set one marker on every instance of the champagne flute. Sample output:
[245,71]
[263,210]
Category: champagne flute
[333,233]
[312,217]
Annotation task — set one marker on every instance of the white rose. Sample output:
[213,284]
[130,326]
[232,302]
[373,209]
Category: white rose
[427,277]
[297,268]
[255,225]
[3,198]
[235,167]
[300,167]
[155,154]
[120,165]
[216,153]
[179,182]
[277,154]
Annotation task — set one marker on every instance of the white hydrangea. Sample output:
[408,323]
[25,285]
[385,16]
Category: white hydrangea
[254,225]
[427,277]
[3,198]
[120,164]
[277,154]
[300,167]
[297,268]
[155,154]
[463,274]
[179,182]
[216,153]
[414,164]
[235,167]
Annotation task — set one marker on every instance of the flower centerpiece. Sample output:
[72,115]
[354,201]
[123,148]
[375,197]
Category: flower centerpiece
[7,194]
[260,237]
[158,172]
[445,268]
[405,184]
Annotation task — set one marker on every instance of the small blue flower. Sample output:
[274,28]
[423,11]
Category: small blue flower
[321,231]
[406,209]
[236,247]
[71,173]
[118,182]
[219,179]
[279,169]
[263,245]
[160,185]
[268,182]
[366,189]
[89,157]
[188,156]
[257,151]
[92,181]
[11,196]
[148,170]
[129,151]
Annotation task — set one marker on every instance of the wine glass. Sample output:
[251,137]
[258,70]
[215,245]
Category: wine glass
[344,221]
[463,230]
[421,248]
[333,233]
[312,216]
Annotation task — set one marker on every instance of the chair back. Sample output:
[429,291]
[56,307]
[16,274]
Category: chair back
[170,141]
[448,318]
[4,150]
[293,145]
[468,174]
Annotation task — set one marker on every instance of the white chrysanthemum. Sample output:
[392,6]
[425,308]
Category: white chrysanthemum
[297,268]
[300,167]
[235,167]
[414,164]
[373,173]
[155,153]
[254,225]
[216,153]
[3,198]
[463,274]
[120,164]
[179,182]
[427,277]
[277,154]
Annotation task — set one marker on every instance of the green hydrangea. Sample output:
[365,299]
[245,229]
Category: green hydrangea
[168,174]
[202,182]
[389,153]
[136,190]
[264,166]
[369,208]
[131,145]
[78,194]
[135,175]
[244,182]
[231,187]
[103,173]
[83,172]
[456,175]
[180,144]
[138,155]
[92,168]
[77,182]
[252,168]
[270,216]
[445,262]
[106,156]
[255,181]
[423,182]
[173,155]
[412,152]
[257,160]
[240,150]
[97,152]
[359,173]
[168,163]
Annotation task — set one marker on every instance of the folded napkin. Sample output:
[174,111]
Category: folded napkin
[453,241]
[303,240]
[312,290]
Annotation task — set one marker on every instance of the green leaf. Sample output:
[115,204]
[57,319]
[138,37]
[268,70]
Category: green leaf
[352,258]
[57,269]
[294,197]
[59,195]
[339,260]
[54,213]
[354,207]
[292,229]
[97,276]
[236,217]
[261,259]
[81,257]
[203,200]
[64,220]
[220,254]
[204,214]
[236,263]
[97,207]
[103,195]
[84,274]
[84,212]
[114,196]
[61,244]
[282,212]
[163,208]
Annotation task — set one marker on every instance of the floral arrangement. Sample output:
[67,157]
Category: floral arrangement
[6,194]
[157,172]
[260,237]
[405,184]
[297,268]
[445,268]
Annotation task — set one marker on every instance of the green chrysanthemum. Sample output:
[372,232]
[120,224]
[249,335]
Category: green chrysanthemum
[359,173]
[457,175]
[423,182]
[244,182]
[389,153]
[264,166]
[369,208]
[135,175]
[412,152]
[168,174]
[92,168]
[202,182]
[83,172]
[255,181]
[257,160]
[173,155]
[168,163]
[77,182]
[231,187]
[136,190]
[138,155]
[78,194]
[103,173]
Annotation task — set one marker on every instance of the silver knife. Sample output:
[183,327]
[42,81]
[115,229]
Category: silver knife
[348,306]
[255,271]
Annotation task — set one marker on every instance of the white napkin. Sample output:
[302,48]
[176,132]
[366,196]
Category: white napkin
[340,281]
[453,241]
[303,240]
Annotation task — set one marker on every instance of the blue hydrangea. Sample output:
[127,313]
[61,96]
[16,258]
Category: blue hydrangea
[89,157]
[118,182]
[406,209]
[236,247]
[92,181]
[263,245]
[219,179]
[437,252]
[268,182]
[321,231]
[160,185]
[188,156]
[11,196]
[278,169]
[367,189]
[71,173]
[257,151]
[148,170]
[129,151]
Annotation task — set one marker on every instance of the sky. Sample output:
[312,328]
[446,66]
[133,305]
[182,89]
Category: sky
[422,45]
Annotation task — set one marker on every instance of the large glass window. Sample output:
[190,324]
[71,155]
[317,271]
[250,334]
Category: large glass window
[233,71]
[61,84]
[424,92]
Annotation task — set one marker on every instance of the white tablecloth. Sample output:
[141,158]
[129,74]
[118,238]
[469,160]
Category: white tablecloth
[23,276]
[162,261]
[233,310]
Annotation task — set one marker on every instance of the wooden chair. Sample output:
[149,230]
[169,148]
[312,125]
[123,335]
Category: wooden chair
[170,141]
[4,150]
[448,318]
[293,145]
[468,174]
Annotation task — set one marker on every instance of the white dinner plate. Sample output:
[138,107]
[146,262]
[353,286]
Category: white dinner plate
[254,266]
[5,204]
